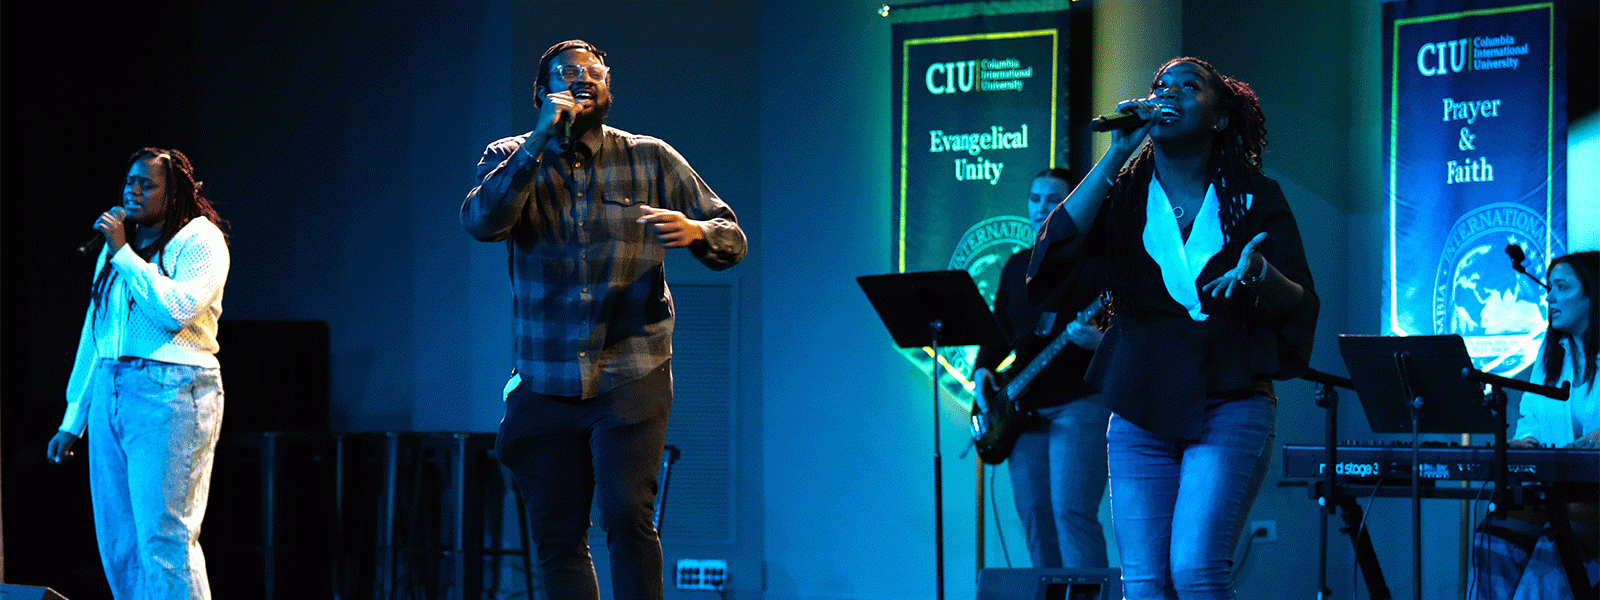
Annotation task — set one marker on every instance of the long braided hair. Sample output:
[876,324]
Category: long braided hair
[185,201]
[1236,152]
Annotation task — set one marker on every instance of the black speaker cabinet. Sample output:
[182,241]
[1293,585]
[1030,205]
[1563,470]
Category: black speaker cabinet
[27,592]
[1050,584]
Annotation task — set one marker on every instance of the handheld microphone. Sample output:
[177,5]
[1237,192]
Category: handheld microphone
[564,141]
[1515,252]
[1128,120]
[94,243]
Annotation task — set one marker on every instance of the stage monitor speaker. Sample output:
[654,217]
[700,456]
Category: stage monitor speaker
[27,592]
[1050,584]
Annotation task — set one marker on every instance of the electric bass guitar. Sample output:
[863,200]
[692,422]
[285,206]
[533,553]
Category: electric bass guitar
[997,416]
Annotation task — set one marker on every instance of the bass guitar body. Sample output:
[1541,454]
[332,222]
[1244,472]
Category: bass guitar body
[997,417]
[996,422]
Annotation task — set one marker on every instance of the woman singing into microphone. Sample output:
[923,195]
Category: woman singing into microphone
[145,384]
[1211,300]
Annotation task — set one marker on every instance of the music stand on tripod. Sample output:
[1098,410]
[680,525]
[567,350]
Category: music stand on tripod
[1426,384]
[937,309]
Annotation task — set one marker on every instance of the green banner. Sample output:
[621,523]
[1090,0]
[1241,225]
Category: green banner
[980,97]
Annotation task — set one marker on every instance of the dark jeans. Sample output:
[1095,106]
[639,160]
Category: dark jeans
[565,453]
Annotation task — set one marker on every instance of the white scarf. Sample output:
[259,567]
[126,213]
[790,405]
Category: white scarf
[1181,261]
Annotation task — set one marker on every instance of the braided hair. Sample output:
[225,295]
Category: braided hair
[1235,158]
[185,201]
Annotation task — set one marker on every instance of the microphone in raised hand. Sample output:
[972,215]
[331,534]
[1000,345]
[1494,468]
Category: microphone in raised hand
[1128,119]
[94,243]
[557,110]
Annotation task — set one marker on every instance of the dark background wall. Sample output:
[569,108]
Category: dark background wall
[340,137]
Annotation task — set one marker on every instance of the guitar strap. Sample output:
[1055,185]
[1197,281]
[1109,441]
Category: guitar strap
[1047,324]
[1047,318]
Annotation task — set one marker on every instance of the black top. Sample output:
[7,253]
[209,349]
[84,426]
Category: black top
[1157,367]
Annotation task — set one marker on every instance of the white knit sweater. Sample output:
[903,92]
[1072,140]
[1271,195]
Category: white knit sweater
[166,312]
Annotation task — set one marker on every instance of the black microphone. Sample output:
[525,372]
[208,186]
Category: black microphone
[564,141]
[1515,252]
[1128,120]
[1125,121]
[93,244]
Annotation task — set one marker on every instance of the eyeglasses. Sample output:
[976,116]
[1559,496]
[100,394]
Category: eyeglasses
[569,73]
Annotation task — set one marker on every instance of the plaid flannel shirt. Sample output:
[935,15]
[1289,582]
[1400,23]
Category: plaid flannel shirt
[589,294]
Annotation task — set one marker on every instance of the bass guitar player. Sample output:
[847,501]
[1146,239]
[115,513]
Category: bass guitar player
[1058,460]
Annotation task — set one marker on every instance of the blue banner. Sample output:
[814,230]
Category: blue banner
[1475,160]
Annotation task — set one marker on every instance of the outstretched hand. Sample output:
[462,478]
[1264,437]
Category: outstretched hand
[1250,261]
[1083,331]
[673,229]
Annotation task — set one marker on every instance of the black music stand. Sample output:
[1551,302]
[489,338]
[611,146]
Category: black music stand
[933,308]
[1414,384]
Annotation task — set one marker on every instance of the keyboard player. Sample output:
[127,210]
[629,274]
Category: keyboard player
[1514,557]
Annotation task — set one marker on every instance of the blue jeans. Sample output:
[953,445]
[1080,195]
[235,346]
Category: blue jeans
[1057,478]
[153,434]
[565,454]
[1180,505]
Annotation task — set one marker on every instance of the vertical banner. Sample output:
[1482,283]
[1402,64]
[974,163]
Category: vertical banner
[1475,160]
[980,96]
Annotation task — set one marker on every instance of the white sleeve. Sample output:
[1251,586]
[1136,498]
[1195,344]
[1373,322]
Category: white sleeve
[200,269]
[1532,413]
[82,379]
[1539,417]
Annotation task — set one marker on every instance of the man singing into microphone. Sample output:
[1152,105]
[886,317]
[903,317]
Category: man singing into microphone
[587,213]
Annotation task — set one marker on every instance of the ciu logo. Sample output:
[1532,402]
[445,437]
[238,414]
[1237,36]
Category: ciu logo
[951,77]
[1442,58]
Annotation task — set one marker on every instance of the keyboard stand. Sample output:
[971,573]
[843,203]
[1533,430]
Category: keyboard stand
[1332,499]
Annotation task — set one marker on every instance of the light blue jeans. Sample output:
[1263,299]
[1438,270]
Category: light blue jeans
[153,433]
[1057,478]
[1180,505]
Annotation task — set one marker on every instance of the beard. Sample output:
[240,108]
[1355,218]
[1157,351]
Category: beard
[591,119]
